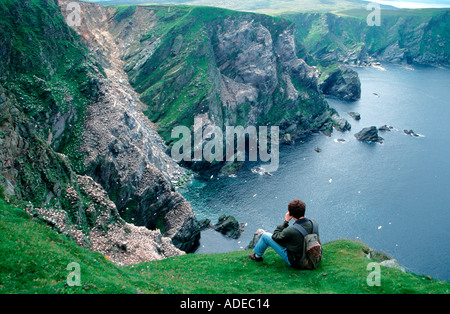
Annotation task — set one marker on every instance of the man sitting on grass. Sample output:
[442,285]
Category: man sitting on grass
[286,240]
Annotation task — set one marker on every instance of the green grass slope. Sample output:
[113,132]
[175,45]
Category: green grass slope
[34,259]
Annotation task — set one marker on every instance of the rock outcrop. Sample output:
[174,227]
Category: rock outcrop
[342,83]
[256,236]
[106,232]
[355,115]
[228,226]
[340,123]
[410,132]
[385,128]
[122,242]
[369,134]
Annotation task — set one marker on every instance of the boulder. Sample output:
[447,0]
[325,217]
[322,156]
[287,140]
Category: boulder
[287,139]
[369,134]
[204,223]
[228,226]
[258,233]
[410,132]
[385,128]
[354,115]
[340,123]
[392,263]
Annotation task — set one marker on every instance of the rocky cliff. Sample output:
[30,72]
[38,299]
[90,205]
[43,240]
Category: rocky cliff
[123,152]
[341,82]
[229,68]
[73,138]
[71,204]
[405,36]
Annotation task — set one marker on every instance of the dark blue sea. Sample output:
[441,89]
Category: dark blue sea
[394,196]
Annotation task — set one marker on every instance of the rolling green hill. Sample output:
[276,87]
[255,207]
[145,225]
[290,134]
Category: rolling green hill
[38,260]
[259,6]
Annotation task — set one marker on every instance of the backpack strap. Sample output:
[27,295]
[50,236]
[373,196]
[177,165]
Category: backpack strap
[314,226]
[303,231]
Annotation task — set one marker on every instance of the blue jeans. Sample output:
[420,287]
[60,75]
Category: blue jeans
[265,241]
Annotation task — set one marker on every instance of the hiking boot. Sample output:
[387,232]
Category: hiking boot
[255,258]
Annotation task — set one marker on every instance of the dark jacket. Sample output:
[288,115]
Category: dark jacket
[290,238]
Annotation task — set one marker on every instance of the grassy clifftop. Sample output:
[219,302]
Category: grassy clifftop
[35,260]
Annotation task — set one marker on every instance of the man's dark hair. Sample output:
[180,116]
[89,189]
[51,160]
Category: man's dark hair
[297,208]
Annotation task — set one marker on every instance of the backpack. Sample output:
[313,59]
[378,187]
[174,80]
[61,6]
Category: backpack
[312,248]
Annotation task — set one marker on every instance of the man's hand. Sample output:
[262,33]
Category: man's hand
[287,217]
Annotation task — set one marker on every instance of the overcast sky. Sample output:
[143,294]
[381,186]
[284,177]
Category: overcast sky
[416,3]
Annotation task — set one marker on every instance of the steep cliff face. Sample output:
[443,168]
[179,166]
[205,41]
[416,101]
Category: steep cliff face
[47,68]
[258,68]
[55,130]
[345,38]
[30,168]
[404,36]
[46,98]
[71,204]
[122,150]
[230,68]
